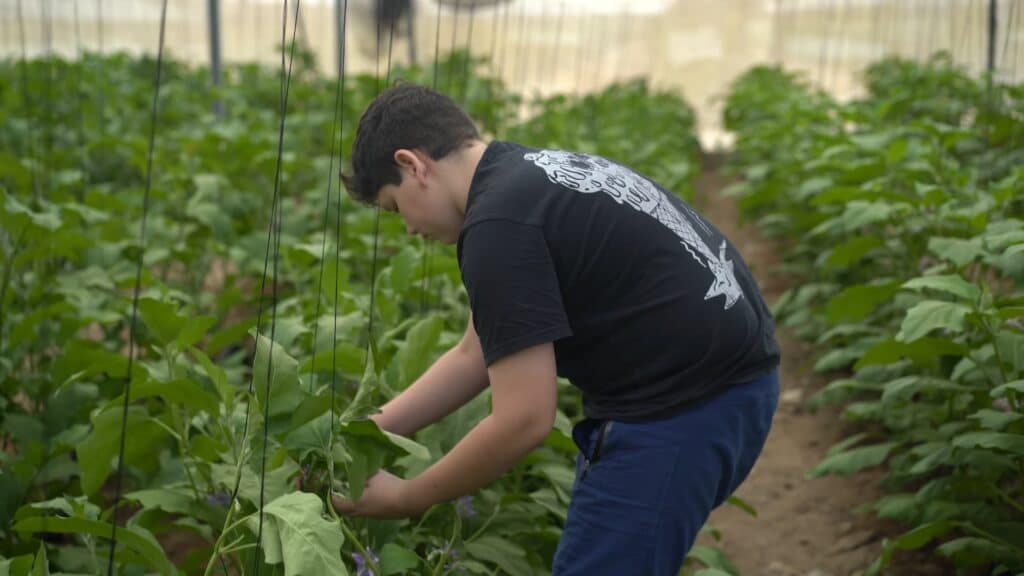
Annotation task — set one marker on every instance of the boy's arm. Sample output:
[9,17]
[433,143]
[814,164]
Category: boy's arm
[454,379]
[524,402]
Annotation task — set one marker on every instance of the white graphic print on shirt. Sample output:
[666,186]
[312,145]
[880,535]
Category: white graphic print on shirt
[588,174]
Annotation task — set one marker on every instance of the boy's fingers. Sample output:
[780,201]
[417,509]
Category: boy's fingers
[343,505]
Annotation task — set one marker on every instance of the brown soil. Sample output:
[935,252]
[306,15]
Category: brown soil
[804,527]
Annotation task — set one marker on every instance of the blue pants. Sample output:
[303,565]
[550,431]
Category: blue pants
[644,490]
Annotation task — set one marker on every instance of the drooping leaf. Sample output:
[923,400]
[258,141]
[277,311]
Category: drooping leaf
[285,392]
[97,453]
[932,315]
[135,537]
[296,532]
[852,461]
[507,555]
[395,559]
[949,284]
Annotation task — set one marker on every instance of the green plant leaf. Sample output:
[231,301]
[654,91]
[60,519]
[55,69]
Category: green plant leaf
[414,357]
[285,392]
[855,303]
[956,250]
[911,540]
[395,559]
[852,461]
[96,454]
[134,537]
[713,558]
[295,532]
[923,351]
[1006,442]
[507,555]
[181,392]
[932,315]
[949,284]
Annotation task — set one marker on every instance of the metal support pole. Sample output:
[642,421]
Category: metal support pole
[215,69]
[993,31]
[339,22]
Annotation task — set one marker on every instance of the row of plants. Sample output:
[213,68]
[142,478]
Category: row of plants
[898,215]
[207,412]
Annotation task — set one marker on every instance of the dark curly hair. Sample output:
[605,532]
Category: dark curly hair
[404,116]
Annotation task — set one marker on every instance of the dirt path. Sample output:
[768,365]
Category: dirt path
[804,527]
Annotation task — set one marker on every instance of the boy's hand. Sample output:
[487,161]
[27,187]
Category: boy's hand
[385,496]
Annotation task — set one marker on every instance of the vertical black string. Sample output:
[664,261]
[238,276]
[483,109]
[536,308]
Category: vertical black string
[581,51]
[823,51]
[46,29]
[437,44]
[876,14]
[99,24]
[556,56]
[506,11]
[1016,49]
[119,477]
[494,39]
[520,74]
[80,119]
[452,50]
[27,100]
[337,233]
[379,18]
[275,234]
[469,56]
[1011,19]
[335,145]
[376,238]
[426,246]
[391,45]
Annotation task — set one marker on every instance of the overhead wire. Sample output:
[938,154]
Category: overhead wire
[468,56]
[30,139]
[154,114]
[274,235]
[80,104]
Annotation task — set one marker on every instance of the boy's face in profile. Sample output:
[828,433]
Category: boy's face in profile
[421,199]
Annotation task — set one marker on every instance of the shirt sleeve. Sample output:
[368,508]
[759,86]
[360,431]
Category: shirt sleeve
[513,288]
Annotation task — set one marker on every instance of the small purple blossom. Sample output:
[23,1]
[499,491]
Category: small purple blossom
[218,498]
[464,507]
[362,568]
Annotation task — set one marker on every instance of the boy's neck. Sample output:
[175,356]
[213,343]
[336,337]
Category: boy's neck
[463,168]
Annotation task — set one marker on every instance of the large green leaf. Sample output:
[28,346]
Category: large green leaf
[134,537]
[713,558]
[956,250]
[855,302]
[1007,442]
[852,461]
[286,394]
[169,327]
[97,453]
[932,315]
[395,559]
[507,555]
[415,356]
[182,392]
[923,351]
[911,540]
[295,532]
[950,284]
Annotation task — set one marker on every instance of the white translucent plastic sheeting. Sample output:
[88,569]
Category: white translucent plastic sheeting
[550,46]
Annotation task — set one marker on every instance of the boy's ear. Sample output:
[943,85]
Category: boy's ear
[405,158]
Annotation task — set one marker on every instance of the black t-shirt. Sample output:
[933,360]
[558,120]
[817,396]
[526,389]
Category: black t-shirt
[650,308]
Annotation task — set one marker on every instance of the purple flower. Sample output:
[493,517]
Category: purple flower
[464,507]
[218,498]
[362,568]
